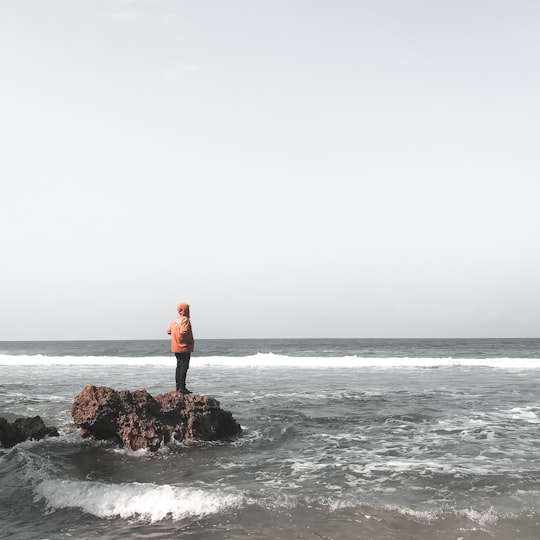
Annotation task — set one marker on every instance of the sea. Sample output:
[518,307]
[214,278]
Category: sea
[405,439]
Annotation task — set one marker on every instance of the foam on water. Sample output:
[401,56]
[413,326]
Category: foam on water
[530,414]
[270,360]
[151,503]
[480,517]
[146,502]
[43,360]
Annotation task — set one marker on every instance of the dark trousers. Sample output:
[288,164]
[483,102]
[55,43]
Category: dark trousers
[182,365]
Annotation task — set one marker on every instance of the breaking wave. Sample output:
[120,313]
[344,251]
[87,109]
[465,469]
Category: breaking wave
[270,360]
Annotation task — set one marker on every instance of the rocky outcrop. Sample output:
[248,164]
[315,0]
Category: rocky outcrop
[22,429]
[138,420]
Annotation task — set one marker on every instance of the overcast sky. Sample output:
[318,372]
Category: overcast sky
[316,168]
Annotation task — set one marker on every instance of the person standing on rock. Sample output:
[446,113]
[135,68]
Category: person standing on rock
[182,345]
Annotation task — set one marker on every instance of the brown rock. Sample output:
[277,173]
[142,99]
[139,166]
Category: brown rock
[22,429]
[138,420]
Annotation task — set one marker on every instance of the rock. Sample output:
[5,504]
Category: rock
[22,429]
[138,420]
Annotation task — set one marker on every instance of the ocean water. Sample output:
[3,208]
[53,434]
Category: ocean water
[343,439]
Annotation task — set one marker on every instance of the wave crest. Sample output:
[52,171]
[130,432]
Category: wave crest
[146,502]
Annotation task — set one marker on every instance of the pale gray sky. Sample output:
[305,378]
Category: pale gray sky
[289,168]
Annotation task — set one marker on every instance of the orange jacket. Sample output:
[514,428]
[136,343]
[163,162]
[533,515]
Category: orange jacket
[181,332]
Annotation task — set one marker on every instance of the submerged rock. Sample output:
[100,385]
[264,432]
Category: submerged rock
[138,420]
[22,429]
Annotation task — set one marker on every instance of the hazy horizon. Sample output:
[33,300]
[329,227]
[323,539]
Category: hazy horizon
[325,339]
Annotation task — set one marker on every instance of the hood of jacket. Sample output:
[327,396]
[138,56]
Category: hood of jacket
[183,309]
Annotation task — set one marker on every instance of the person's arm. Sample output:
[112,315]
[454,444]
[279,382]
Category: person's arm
[184,326]
[186,331]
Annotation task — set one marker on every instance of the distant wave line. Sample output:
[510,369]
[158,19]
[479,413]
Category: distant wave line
[270,360]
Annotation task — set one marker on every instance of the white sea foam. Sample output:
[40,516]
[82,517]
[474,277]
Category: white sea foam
[42,360]
[481,517]
[320,362]
[145,502]
[270,360]
[528,414]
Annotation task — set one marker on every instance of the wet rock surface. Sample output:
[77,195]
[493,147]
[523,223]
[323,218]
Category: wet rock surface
[137,420]
[23,429]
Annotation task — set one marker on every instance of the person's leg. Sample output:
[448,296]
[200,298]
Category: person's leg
[182,365]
